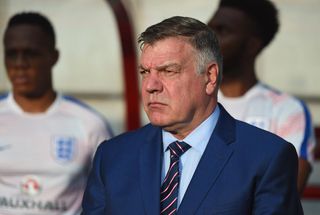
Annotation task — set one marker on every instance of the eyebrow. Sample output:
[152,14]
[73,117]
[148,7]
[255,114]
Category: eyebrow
[161,67]
[168,65]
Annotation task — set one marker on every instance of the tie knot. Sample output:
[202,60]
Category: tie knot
[178,148]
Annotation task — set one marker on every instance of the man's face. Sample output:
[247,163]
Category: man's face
[173,94]
[29,57]
[232,27]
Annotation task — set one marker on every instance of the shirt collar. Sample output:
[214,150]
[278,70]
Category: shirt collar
[19,110]
[199,137]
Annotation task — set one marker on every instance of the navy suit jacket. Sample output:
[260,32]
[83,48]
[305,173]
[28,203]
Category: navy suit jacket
[244,170]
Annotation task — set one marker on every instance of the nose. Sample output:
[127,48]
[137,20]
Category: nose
[21,61]
[153,83]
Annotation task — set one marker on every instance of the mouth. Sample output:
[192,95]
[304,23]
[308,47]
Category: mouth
[156,105]
[20,80]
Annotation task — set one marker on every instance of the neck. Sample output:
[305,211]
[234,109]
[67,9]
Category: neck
[182,130]
[38,104]
[238,82]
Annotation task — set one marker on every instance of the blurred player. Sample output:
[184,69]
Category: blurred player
[47,140]
[244,29]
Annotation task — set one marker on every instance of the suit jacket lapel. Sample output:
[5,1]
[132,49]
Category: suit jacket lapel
[150,171]
[211,164]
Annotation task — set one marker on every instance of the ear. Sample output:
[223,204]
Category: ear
[254,46]
[212,78]
[54,57]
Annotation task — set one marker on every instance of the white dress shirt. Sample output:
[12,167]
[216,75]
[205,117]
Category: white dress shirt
[198,140]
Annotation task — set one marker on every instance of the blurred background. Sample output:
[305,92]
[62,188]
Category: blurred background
[99,53]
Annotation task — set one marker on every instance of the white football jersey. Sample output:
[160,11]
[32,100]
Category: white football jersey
[276,112]
[45,157]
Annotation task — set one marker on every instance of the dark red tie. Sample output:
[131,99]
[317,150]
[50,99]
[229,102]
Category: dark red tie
[170,185]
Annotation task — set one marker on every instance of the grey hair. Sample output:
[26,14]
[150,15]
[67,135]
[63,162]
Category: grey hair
[198,34]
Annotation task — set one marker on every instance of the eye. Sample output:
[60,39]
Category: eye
[144,72]
[10,54]
[31,53]
[168,72]
[222,30]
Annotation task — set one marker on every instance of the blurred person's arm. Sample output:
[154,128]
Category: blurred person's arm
[304,172]
[296,127]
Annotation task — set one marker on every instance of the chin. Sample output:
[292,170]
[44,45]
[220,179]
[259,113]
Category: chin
[157,121]
[27,93]
[22,91]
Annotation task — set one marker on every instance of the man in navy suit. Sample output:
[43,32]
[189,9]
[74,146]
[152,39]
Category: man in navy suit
[193,158]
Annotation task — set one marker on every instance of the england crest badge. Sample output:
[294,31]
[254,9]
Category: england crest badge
[63,148]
